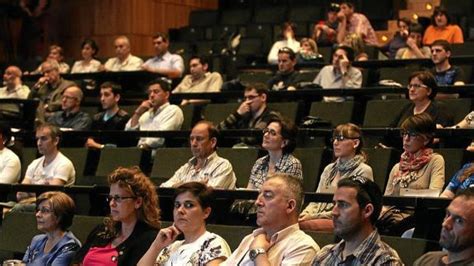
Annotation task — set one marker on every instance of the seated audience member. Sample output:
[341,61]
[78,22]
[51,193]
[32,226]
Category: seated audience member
[71,116]
[279,140]
[88,64]
[441,28]
[325,31]
[192,206]
[56,53]
[253,113]
[124,60]
[164,63]
[351,22]
[53,168]
[340,74]
[443,71]
[125,235]
[205,165]
[49,89]
[457,234]
[199,80]
[349,161]
[419,166]
[422,89]
[467,122]
[10,166]
[357,205]
[287,78]
[308,52]
[111,118]
[156,114]
[399,39]
[14,89]
[57,246]
[278,240]
[464,178]
[414,48]
[288,35]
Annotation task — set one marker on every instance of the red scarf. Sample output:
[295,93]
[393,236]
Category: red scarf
[410,163]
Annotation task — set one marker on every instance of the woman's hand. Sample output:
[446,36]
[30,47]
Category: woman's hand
[166,236]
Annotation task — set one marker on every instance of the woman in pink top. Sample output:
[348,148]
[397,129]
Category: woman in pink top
[441,28]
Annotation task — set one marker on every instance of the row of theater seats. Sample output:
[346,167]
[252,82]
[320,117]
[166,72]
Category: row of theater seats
[19,228]
[90,170]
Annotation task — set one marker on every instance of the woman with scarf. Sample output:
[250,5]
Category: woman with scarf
[419,169]
[350,161]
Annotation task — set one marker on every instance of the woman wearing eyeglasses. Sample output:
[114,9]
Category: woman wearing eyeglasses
[349,161]
[419,166]
[192,207]
[57,246]
[132,225]
[422,89]
[279,140]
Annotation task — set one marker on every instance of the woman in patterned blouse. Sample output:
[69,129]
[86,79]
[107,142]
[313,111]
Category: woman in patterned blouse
[192,203]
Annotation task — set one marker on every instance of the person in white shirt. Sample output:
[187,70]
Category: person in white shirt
[88,64]
[124,60]
[156,114]
[10,165]
[13,85]
[164,63]
[288,34]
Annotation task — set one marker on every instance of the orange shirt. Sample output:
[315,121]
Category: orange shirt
[450,33]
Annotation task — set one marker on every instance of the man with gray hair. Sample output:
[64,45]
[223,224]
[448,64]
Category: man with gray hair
[71,117]
[124,60]
[457,233]
[13,89]
[279,240]
[49,89]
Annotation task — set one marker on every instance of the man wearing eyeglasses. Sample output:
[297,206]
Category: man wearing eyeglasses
[286,78]
[205,165]
[357,205]
[278,240]
[457,234]
[443,71]
[71,117]
[156,114]
[253,113]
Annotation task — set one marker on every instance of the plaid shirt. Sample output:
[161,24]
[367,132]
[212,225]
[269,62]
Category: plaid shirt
[372,251]
[287,164]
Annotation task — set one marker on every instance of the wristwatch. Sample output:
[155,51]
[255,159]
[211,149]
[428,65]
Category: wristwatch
[253,253]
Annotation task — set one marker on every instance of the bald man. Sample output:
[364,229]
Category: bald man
[71,117]
[124,60]
[14,89]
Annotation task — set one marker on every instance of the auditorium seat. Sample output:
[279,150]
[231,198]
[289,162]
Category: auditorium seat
[251,78]
[313,161]
[18,228]
[397,74]
[322,238]
[27,156]
[189,116]
[312,13]
[111,158]
[271,15]
[223,32]
[78,157]
[410,249]
[232,234]
[217,112]
[190,34]
[389,108]
[167,161]
[242,161]
[203,18]
[262,31]
[458,108]
[235,16]
[337,113]
[381,161]
[290,110]
[453,161]
[82,225]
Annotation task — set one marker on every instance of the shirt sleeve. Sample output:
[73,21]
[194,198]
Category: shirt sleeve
[300,255]
[11,171]
[390,188]
[355,78]
[171,119]
[454,184]
[178,63]
[437,173]
[223,176]
[64,171]
[458,36]
[176,178]
[273,54]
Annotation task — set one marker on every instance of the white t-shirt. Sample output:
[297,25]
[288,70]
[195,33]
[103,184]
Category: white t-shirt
[10,167]
[61,167]
[206,248]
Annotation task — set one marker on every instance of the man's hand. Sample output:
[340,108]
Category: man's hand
[411,42]
[244,108]
[91,144]
[144,106]
[260,241]
[344,64]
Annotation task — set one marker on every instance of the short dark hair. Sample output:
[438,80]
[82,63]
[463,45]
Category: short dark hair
[443,43]
[367,192]
[286,25]
[421,123]
[62,206]
[289,132]
[202,59]
[437,11]
[203,193]
[405,20]
[260,88]
[92,44]
[164,83]
[348,3]
[288,51]
[349,52]
[466,193]
[416,28]
[6,132]
[163,36]
[116,88]
[427,79]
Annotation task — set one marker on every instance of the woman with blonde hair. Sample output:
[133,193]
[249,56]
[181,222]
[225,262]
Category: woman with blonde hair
[349,161]
[132,225]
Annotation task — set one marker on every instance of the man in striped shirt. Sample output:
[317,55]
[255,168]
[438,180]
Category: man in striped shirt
[357,205]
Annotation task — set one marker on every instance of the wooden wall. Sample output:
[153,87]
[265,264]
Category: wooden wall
[103,20]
